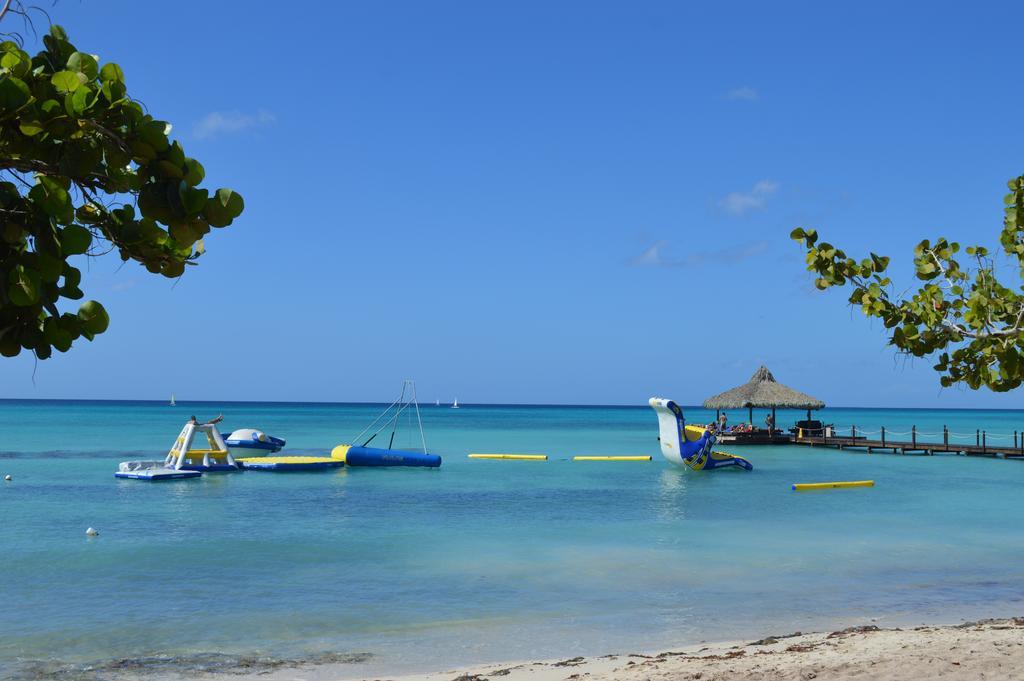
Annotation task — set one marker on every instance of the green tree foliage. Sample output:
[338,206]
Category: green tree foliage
[84,170]
[974,323]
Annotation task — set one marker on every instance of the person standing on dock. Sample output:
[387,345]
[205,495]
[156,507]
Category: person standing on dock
[770,422]
[722,421]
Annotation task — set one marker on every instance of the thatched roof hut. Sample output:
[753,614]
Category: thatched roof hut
[763,392]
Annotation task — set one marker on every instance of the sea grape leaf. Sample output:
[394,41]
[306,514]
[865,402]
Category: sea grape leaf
[80,155]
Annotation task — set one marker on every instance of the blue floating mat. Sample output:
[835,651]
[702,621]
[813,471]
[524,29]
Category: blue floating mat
[281,464]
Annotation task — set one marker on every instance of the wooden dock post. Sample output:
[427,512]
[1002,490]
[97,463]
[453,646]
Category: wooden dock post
[1015,439]
[945,436]
[983,447]
[913,436]
[883,437]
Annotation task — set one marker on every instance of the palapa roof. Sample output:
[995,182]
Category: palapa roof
[762,391]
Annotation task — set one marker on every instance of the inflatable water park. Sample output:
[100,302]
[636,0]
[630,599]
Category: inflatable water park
[201,448]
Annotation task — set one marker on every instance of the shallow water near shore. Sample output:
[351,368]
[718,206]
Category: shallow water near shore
[479,560]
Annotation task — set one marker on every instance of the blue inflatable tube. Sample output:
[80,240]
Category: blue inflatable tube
[371,456]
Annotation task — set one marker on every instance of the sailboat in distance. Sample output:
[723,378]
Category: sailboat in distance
[173,403]
[437,403]
[455,404]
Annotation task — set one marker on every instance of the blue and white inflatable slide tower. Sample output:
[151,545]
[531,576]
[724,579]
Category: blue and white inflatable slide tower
[690,446]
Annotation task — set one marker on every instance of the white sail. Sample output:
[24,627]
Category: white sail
[455,404]
[172,400]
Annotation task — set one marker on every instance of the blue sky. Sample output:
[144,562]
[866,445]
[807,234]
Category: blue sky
[545,202]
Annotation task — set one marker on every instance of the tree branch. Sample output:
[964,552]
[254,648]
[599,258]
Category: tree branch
[110,134]
[5,9]
[27,165]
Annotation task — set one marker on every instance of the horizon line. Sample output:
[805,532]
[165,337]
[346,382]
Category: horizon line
[474,404]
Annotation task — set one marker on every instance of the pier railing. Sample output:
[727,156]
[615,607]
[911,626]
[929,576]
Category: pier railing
[984,443]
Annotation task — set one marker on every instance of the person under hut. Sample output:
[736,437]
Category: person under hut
[770,422]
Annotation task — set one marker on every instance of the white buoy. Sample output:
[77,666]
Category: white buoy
[7,477]
[92,532]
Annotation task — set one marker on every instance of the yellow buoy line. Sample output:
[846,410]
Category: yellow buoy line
[544,457]
[807,486]
[797,487]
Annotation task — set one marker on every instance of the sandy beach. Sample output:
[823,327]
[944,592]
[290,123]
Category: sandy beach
[989,649]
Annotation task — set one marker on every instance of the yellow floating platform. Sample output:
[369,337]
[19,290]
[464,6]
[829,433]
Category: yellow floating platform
[513,457]
[290,463]
[804,487]
[611,458]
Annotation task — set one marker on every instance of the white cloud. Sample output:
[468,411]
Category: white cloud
[126,285]
[741,203]
[655,255]
[227,122]
[745,93]
[652,256]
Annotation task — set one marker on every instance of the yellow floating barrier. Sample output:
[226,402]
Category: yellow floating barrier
[514,457]
[611,458]
[804,487]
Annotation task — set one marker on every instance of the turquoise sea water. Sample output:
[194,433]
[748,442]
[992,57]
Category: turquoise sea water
[479,560]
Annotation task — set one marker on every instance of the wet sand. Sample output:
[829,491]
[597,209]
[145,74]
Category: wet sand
[989,649]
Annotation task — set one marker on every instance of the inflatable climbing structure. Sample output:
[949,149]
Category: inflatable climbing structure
[690,446]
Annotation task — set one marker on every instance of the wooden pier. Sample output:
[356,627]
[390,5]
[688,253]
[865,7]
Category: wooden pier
[916,445]
[756,437]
